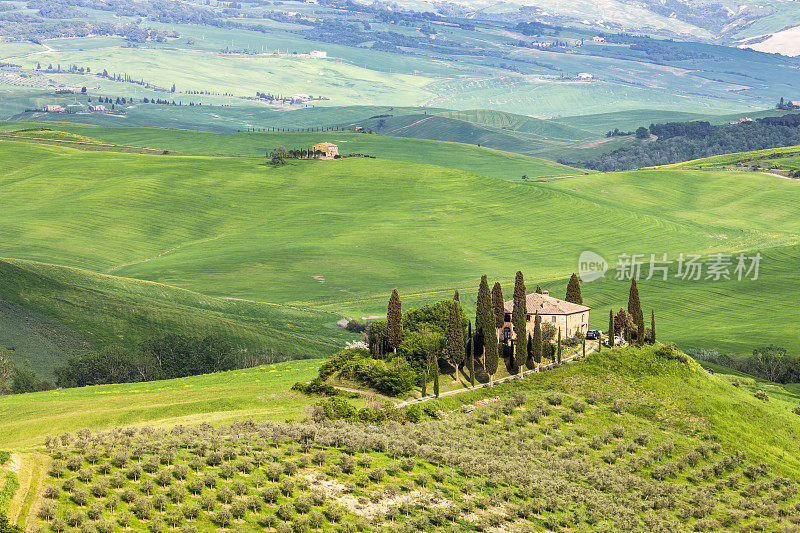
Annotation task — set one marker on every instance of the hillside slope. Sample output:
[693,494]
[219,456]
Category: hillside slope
[338,234]
[456,155]
[75,310]
[624,440]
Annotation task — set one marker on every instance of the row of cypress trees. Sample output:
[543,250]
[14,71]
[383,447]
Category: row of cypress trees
[636,313]
[465,347]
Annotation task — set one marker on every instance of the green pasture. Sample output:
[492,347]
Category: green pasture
[784,157]
[452,155]
[261,393]
[192,70]
[48,312]
[339,235]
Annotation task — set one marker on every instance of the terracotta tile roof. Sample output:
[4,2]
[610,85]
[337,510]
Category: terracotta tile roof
[547,305]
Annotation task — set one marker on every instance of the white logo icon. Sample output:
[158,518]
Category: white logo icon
[591,266]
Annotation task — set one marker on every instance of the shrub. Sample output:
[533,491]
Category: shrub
[336,408]
[286,511]
[223,517]
[618,406]
[554,398]
[761,395]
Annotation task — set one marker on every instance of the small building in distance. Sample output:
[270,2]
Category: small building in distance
[97,108]
[585,76]
[598,39]
[53,108]
[319,54]
[329,150]
[570,317]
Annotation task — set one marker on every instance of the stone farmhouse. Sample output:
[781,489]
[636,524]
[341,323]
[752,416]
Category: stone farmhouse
[570,317]
[329,150]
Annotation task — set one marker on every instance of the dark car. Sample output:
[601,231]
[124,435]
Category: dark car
[592,334]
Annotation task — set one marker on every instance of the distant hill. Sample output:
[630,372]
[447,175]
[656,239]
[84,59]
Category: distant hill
[49,312]
[338,235]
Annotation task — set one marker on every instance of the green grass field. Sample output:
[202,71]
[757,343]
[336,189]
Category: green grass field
[466,157]
[49,312]
[781,157]
[261,392]
[338,235]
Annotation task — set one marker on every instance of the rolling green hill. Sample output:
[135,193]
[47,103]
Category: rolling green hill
[686,446]
[48,312]
[452,155]
[780,157]
[338,235]
[261,392]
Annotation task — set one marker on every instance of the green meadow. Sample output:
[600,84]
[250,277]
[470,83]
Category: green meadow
[50,311]
[261,393]
[465,157]
[338,235]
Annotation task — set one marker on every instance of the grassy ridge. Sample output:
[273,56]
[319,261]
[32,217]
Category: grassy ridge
[336,234]
[84,309]
[262,393]
[452,155]
[786,158]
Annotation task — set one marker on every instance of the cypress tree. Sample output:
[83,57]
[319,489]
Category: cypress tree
[584,347]
[436,377]
[611,330]
[635,312]
[652,326]
[454,349]
[485,324]
[498,305]
[574,290]
[519,318]
[529,355]
[471,355]
[424,382]
[537,340]
[558,353]
[394,319]
[539,289]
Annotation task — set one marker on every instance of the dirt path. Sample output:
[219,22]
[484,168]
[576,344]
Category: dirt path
[779,176]
[409,125]
[591,347]
[31,470]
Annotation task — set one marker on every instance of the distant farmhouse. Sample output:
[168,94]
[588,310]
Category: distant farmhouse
[569,317]
[329,150]
[97,108]
[53,108]
[318,54]
[585,76]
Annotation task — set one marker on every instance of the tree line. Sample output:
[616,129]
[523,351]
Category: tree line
[684,141]
[414,347]
[167,357]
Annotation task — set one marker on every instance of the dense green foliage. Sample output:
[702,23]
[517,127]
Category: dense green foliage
[170,357]
[693,140]
[574,290]
[394,376]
